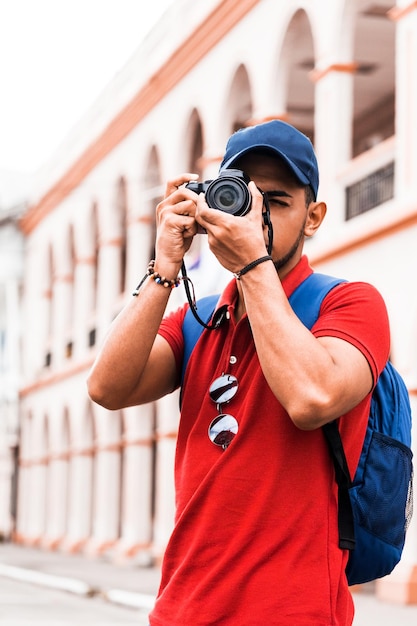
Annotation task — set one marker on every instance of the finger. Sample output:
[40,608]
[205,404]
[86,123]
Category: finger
[257,197]
[177,218]
[183,207]
[173,185]
[190,228]
[203,211]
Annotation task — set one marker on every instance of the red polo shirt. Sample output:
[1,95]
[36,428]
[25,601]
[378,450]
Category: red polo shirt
[256,538]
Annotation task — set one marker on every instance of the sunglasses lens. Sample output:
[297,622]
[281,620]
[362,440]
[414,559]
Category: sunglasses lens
[222,430]
[223,389]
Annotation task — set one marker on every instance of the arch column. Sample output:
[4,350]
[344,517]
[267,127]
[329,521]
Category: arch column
[333,132]
[106,487]
[84,294]
[81,470]
[23,508]
[138,483]
[108,282]
[38,483]
[56,498]
[106,500]
[109,266]
[58,479]
[61,306]
[83,303]
[36,463]
[62,301]
[81,479]
[166,435]
[405,16]
[140,235]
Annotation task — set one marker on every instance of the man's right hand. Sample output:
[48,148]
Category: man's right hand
[176,225]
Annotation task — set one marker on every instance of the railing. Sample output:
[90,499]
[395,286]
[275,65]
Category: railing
[368,179]
[371,191]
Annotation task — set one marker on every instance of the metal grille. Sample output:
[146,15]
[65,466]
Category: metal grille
[370,192]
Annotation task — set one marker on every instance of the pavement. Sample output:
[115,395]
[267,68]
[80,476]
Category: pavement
[127,584]
[131,585]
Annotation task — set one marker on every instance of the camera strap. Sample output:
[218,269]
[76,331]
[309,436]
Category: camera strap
[266,214]
[188,282]
[192,300]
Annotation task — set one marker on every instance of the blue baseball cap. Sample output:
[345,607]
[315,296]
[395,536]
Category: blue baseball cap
[281,139]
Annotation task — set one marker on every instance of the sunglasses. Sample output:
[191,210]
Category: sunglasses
[224,426]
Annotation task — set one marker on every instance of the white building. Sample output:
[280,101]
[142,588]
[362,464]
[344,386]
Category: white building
[344,72]
[11,274]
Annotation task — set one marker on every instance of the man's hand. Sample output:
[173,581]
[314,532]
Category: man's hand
[234,240]
[176,225]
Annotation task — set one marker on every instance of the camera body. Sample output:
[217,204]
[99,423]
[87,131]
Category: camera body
[228,193]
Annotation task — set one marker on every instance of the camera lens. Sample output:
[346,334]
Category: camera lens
[230,195]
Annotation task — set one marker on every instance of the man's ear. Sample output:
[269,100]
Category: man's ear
[315,215]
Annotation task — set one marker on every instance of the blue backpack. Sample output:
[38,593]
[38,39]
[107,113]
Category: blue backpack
[374,508]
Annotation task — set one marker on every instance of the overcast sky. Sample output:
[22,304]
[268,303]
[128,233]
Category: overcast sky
[56,56]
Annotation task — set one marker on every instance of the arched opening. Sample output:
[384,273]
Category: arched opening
[153,195]
[295,88]
[48,308]
[70,264]
[194,149]
[194,144]
[239,102]
[374,77]
[66,469]
[121,208]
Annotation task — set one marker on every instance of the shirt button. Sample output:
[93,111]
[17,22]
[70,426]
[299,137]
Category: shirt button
[232,360]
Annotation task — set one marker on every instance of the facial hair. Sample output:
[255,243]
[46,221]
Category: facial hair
[282,262]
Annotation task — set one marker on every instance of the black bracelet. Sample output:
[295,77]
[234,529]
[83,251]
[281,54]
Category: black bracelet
[250,266]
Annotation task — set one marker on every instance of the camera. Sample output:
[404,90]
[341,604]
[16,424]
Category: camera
[229,192]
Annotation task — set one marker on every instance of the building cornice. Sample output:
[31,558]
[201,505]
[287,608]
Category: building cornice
[379,231]
[217,24]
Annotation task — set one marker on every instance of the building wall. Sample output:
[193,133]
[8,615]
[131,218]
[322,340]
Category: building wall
[11,250]
[104,479]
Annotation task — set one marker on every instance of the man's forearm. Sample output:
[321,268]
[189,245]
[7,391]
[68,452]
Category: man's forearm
[124,355]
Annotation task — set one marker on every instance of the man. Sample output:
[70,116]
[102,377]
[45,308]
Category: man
[256,535]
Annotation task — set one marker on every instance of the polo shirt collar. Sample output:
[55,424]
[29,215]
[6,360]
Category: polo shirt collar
[291,281]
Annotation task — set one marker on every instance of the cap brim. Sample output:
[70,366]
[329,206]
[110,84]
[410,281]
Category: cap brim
[302,178]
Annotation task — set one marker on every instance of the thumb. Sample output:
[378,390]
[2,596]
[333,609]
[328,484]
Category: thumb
[257,200]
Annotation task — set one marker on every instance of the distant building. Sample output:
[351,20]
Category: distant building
[11,281]
[343,72]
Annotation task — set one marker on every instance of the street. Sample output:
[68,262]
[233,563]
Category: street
[24,604]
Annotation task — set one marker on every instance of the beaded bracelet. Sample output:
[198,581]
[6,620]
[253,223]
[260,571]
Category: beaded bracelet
[160,280]
[250,266]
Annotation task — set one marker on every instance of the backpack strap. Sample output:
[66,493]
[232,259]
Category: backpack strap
[192,330]
[344,483]
[305,301]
